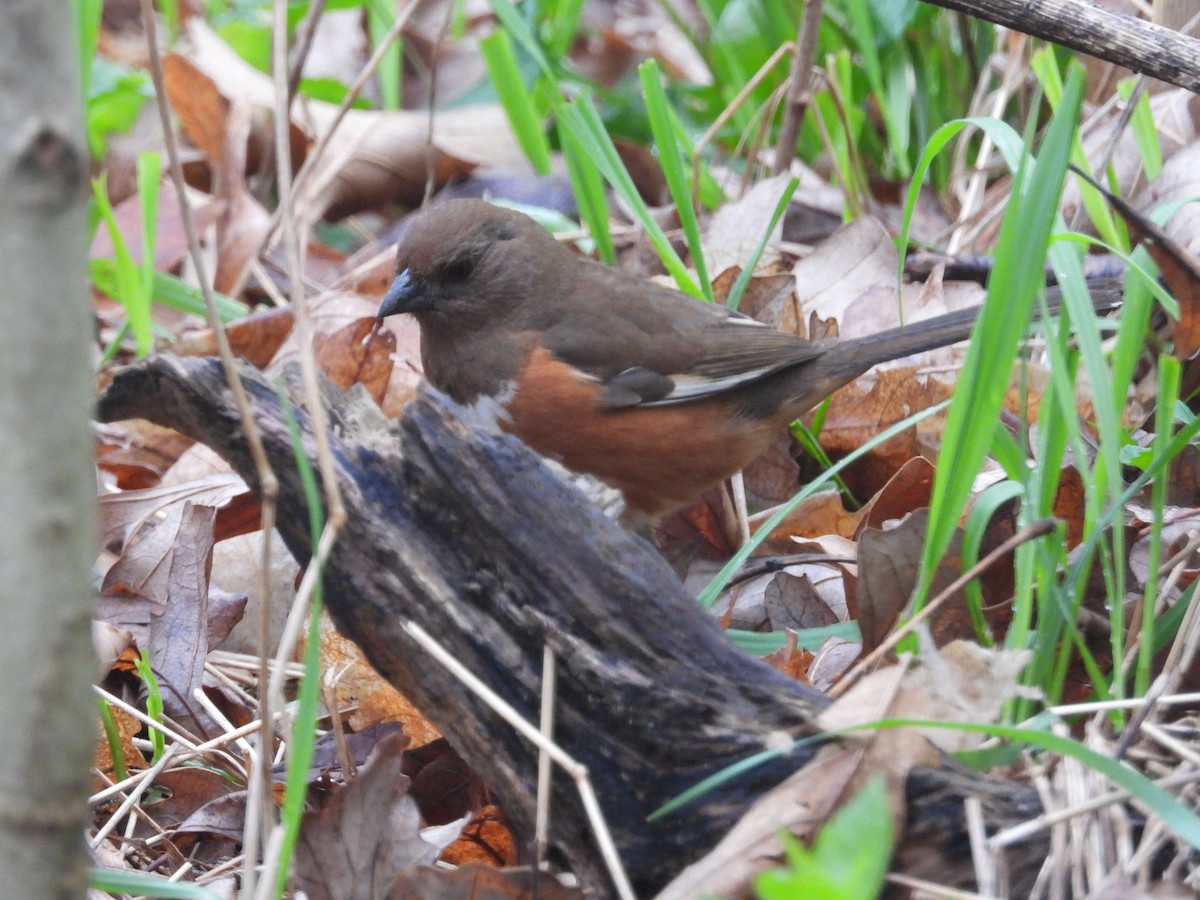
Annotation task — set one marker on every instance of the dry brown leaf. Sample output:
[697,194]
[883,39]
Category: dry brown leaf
[805,594]
[255,338]
[364,835]
[645,30]
[485,839]
[1177,182]
[340,46]
[773,478]
[245,222]
[704,530]
[357,354]
[188,790]
[373,157]
[238,554]
[477,881]
[170,238]
[860,411]
[908,490]
[1174,112]
[445,788]
[371,270]
[1070,504]
[128,728]
[793,601]
[851,278]
[857,257]
[893,751]
[820,517]
[361,686]
[833,660]
[791,660]
[1179,269]
[331,313]
[222,817]
[110,644]
[799,805]
[804,801]
[1183,480]
[169,563]
[1179,526]
[203,102]
[648,178]
[888,562]
[137,452]
[122,515]
[769,298]
[736,228]
[962,683]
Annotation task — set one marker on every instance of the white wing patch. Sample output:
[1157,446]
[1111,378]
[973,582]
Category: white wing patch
[689,387]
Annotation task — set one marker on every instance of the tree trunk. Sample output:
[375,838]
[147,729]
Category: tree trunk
[47,544]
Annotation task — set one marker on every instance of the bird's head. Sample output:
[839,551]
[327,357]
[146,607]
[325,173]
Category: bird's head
[466,260]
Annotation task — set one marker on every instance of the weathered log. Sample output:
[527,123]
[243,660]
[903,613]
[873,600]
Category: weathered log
[471,536]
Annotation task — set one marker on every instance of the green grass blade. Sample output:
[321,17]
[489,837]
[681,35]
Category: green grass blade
[1169,373]
[154,704]
[674,167]
[141,884]
[1045,66]
[303,736]
[167,290]
[514,23]
[743,279]
[389,76]
[588,187]
[582,119]
[1006,140]
[1015,282]
[501,61]
[1145,131]
[112,734]
[714,588]
[128,281]
[149,170]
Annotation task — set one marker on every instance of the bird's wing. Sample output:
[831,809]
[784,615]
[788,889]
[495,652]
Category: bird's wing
[735,355]
[669,348]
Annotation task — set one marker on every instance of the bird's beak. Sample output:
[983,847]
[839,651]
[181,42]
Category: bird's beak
[404,296]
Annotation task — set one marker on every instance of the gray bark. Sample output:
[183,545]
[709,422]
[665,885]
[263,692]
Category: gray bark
[47,488]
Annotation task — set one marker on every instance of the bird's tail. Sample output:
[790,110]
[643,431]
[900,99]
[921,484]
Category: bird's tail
[849,359]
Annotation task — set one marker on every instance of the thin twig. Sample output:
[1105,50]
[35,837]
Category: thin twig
[268,483]
[577,771]
[300,183]
[306,32]
[541,829]
[727,113]
[799,92]
[146,780]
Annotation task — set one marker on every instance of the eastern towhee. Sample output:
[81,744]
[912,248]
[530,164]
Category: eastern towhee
[655,393]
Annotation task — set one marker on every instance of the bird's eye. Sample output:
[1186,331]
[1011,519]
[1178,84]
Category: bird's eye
[458,270]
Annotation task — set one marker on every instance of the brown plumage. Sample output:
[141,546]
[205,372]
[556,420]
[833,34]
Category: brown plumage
[657,394]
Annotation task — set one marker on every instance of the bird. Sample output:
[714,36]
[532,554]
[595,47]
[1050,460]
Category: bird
[655,393]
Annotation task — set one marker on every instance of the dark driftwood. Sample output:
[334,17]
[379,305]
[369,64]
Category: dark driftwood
[470,536]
